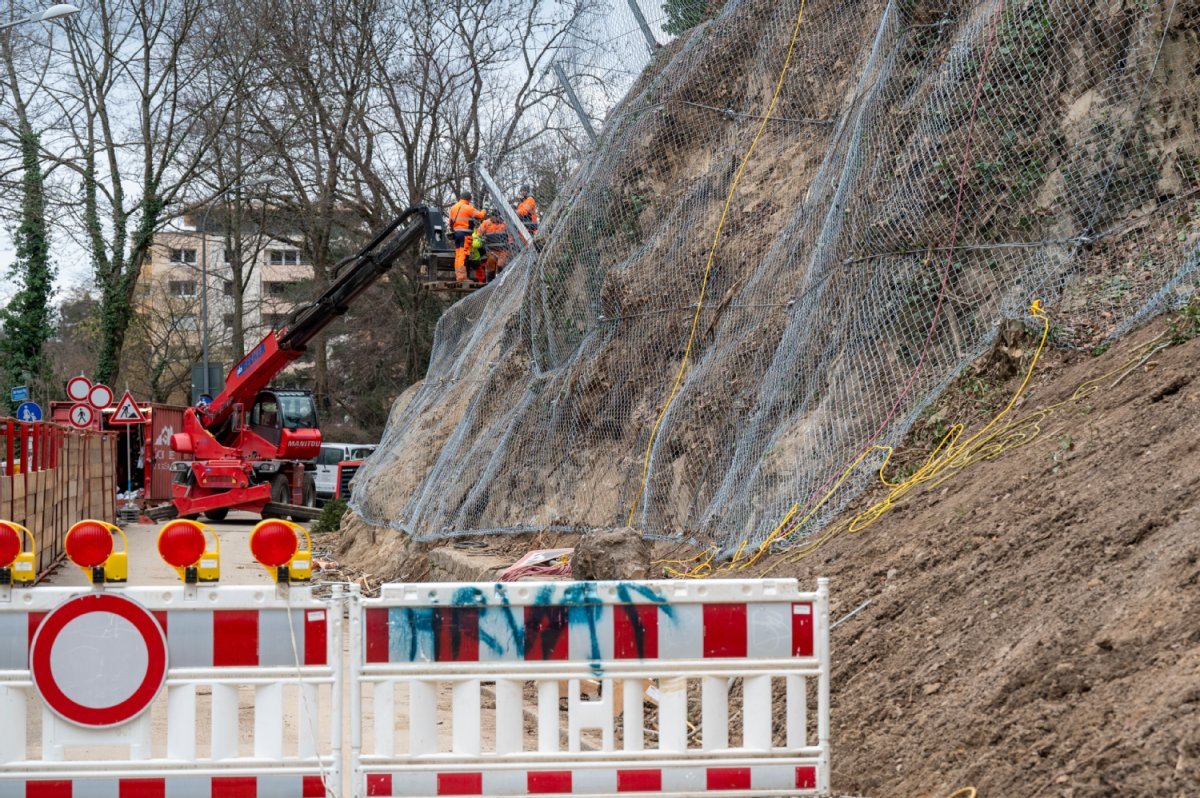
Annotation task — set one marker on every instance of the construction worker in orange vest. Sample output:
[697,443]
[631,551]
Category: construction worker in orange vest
[495,239]
[462,218]
[527,211]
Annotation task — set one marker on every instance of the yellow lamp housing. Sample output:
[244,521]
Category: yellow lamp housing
[301,566]
[209,568]
[178,551]
[116,567]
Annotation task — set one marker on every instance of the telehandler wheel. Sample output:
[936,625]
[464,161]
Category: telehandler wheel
[281,493]
[218,514]
[310,496]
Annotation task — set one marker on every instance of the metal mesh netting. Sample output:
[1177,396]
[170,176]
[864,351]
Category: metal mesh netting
[851,281]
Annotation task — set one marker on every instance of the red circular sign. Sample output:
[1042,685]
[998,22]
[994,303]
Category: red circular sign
[100,396]
[78,388]
[81,416]
[98,660]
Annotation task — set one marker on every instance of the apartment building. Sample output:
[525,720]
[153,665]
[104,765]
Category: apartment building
[277,278]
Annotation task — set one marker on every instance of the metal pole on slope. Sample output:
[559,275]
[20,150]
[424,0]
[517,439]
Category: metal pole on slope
[510,216]
[573,101]
[651,42]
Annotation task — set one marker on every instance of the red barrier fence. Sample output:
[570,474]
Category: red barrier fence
[52,476]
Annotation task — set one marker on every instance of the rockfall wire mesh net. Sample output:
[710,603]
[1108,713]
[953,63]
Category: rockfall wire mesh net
[848,287]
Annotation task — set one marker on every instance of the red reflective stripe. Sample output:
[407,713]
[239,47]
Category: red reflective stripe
[234,787]
[47,789]
[313,787]
[458,634]
[728,778]
[546,633]
[549,782]
[806,778]
[724,630]
[802,630]
[377,635]
[142,788]
[460,784]
[639,780]
[635,631]
[379,783]
[314,637]
[235,640]
[35,620]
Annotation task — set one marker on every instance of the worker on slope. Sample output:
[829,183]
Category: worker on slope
[496,241]
[527,211]
[477,256]
[462,219]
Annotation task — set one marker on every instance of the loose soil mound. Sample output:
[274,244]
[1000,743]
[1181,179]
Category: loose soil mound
[1033,623]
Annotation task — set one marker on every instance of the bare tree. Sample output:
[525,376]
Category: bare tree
[315,70]
[164,341]
[124,100]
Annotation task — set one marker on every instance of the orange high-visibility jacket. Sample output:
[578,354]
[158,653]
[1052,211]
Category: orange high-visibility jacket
[461,214]
[495,235]
[527,210]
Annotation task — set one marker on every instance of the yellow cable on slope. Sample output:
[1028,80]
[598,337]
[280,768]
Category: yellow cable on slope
[1012,435]
[711,255]
[949,457]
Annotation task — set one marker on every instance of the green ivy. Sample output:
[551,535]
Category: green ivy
[27,317]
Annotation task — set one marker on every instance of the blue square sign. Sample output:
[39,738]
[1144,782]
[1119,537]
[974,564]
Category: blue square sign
[20,393]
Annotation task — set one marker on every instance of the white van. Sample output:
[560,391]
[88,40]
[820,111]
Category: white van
[327,463]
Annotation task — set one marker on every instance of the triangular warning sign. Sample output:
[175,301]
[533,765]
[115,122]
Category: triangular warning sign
[127,412]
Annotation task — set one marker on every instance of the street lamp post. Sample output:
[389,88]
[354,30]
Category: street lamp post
[53,12]
[204,276]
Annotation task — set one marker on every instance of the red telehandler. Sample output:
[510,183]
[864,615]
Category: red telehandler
[251,444]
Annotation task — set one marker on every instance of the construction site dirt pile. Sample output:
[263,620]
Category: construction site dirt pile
[1032,627]
[1029,625]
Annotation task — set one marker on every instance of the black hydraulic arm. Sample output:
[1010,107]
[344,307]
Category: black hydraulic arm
[416,223]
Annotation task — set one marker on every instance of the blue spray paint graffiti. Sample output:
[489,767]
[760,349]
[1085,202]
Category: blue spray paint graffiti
[469,628]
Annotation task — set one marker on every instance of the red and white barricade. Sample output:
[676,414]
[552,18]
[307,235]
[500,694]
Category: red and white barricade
[592,689]
[170,692]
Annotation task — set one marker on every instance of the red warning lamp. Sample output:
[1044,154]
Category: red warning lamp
[89,544]
[181,544]
[10,544]
[273,543]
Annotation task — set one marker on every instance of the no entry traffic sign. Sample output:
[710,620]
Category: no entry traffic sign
[98,660]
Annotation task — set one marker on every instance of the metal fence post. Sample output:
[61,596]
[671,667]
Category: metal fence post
[573,101]
[510,216]
[651,42]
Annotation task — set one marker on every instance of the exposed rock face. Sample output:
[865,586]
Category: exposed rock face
[621,554]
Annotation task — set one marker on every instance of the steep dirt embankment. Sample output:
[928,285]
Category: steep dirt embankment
[891,181]
[1033,627]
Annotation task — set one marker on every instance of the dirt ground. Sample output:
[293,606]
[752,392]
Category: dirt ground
[1032,627]
[1033,624]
